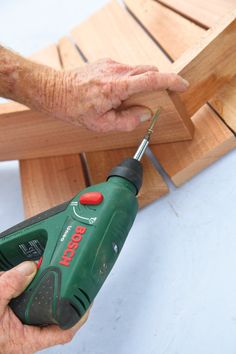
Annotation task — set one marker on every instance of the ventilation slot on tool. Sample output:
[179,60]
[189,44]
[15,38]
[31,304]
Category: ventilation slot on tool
[85,294]
[80,301]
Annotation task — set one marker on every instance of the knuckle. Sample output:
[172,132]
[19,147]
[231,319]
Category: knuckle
[151,77]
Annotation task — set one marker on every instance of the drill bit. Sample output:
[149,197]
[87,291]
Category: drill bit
[144,144]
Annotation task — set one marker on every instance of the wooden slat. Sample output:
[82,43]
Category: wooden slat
[47,182]
[50,181]
[206,13]
[209,64]
[100,163]
[20,139]
[224,102]
[175,33]
[212,138]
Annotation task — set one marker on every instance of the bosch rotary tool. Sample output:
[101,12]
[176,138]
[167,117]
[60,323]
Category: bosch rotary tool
[76,245]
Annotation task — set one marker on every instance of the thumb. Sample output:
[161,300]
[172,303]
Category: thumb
[14,281]
[124,120]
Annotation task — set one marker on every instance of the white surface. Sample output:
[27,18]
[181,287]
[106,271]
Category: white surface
[173,290]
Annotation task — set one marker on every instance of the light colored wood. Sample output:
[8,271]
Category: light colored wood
[206,13]
[175,34]
[224,102]
[70,57]
[209,64]
[25,134]
[99,164]
[212,138]
[47,182]
[20,139]
[50,181]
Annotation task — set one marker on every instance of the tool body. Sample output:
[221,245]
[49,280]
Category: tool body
[76,243]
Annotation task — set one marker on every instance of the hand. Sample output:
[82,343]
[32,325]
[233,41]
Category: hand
[16,338]
[90,95]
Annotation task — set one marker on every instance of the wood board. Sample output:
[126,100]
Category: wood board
[204,13]
[99,164]
[47,182]
[175,34]
[212,138]
[20,139]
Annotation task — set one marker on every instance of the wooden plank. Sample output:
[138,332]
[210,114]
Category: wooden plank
[224,103]
[47,182]
[26,134]
[20,139]
[175,34]
[209,64]
[205,13]
[99,164]
[212,138]
[50,181]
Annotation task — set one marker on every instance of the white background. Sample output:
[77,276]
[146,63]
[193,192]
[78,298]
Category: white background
[173,290]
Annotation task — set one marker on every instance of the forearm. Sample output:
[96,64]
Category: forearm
[27,82]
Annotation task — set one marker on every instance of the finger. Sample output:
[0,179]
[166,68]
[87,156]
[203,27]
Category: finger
[141,69]
[53,335]
[14,282]
[154,81]
[125,120]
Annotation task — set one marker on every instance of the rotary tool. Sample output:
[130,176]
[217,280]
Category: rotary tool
[75,244]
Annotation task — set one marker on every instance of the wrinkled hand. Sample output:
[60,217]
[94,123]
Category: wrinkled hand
[16,338]
[90,95]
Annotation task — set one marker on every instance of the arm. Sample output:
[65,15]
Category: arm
[88,96]
[23,339]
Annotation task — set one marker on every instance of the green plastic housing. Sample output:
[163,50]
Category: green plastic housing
[79,245]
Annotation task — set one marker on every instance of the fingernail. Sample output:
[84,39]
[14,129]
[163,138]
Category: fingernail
[185,83]
[26,268]
[146,116]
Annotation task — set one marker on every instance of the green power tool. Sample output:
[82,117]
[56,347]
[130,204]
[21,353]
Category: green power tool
[76,245]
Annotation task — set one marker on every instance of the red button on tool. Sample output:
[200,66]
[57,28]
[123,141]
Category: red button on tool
[39,262]
[93,198]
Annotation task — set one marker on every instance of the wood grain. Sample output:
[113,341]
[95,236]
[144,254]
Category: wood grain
[175,34]
[212,138]
[20,139]
[47,182]
[205,13]
[224,102]
[99,164]
[209,64]
[50,181]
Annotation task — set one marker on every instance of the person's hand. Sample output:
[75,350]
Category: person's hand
[16,338]
[91,95]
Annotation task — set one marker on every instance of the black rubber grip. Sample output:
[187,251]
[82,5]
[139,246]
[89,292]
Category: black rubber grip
[35,219]
[43,301]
